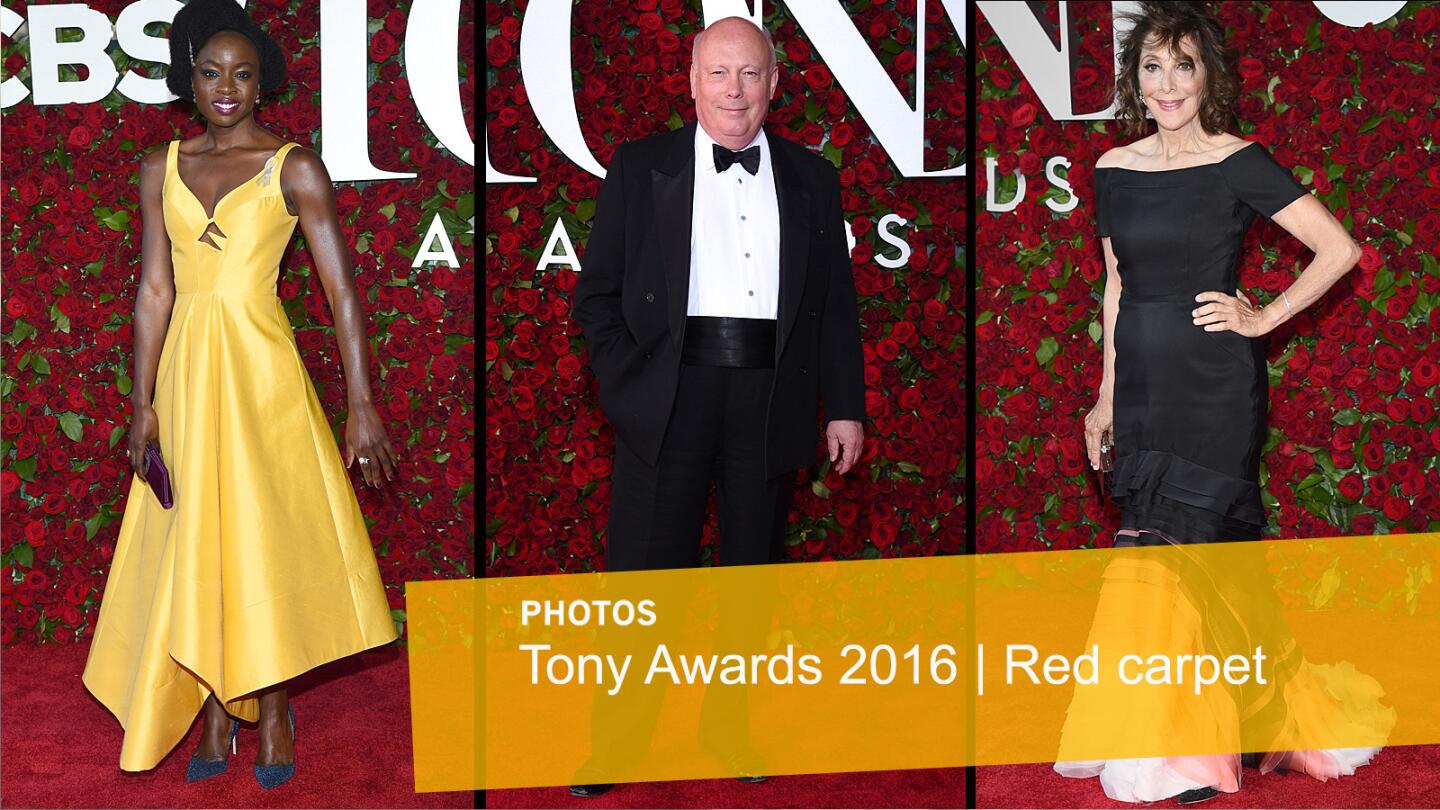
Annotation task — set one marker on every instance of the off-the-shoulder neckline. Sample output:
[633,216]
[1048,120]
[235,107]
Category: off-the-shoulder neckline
[1181,168]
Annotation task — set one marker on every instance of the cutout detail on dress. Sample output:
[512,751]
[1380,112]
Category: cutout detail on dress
[213,228]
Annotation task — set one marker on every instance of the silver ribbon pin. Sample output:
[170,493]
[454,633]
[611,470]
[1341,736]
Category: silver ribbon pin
[265,178]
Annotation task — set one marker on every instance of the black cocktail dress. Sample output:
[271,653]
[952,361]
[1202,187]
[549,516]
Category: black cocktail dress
[1189,404]
[1189,413]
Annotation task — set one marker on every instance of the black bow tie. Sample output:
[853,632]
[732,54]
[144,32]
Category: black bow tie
[749,158]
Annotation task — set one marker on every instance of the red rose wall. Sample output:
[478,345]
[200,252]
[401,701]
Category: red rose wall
[71,247]
[1353,432]
[548,448]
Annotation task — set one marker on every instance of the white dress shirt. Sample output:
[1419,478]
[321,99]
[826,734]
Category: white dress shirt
[734,236]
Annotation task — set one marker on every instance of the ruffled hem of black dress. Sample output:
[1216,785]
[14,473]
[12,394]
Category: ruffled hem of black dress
[1189,502]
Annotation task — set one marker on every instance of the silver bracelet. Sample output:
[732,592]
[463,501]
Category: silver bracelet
[1286,299]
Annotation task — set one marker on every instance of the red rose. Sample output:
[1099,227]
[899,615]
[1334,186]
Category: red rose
[1396,508]
[1352,486]
[382,45]
[1369,258]
[1373,455]
[818,77]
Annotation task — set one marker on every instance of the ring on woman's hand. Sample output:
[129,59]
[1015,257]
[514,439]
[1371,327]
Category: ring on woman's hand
[364,460]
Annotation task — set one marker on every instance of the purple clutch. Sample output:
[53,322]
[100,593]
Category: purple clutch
[157,476]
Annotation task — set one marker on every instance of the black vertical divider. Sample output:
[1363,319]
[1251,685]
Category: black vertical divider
[972,97]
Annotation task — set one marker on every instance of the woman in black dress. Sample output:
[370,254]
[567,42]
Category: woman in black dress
[1184,389]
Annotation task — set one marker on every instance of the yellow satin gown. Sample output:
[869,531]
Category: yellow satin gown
[263,568]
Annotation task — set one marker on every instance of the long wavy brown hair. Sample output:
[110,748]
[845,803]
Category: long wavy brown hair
[1166,24]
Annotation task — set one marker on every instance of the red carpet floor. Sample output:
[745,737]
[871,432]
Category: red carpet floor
[59,747]
[1408,776]
[942,787]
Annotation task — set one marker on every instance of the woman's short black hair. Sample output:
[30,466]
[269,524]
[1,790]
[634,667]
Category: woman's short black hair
[201,19]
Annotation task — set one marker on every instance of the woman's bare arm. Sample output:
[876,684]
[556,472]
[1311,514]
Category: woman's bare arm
[1109,308]
[307,182]
[1308,220]
[153,303]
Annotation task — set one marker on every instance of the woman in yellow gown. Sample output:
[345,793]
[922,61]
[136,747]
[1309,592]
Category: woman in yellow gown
[262,568]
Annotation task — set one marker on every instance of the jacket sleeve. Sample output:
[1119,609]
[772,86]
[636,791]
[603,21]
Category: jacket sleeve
[597,300]
[842,379]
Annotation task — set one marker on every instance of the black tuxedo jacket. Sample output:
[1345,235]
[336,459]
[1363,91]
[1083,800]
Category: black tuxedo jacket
[633,293]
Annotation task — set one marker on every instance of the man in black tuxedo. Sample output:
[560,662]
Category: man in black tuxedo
[719,308]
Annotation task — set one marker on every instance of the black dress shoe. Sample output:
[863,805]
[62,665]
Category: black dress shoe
[1250,760]
[751,780]
[1197,795]
[590,791]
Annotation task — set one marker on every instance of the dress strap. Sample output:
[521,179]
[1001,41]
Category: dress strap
[171,160]
[274,164]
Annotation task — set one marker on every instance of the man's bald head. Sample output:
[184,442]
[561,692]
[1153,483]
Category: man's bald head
[733,76]
[735,27]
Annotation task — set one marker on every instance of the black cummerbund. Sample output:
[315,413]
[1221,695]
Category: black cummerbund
[729,342]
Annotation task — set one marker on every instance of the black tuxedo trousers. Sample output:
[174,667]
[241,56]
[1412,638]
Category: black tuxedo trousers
[657,511]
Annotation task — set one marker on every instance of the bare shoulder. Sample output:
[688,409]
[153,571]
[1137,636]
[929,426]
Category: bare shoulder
[155,158]
[1117,158]
[1233,144]
[152,166]
[303,177]
[303,167]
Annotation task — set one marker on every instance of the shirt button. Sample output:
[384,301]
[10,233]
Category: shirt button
[747,255]
[812,313]
[647,355]
[752,293]
[649,297]
[742,217]
[740,180]
[803,370]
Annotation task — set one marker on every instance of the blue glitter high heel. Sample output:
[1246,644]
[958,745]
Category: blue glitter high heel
[205,768]
[273,776]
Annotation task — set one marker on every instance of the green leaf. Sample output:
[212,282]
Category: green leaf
[123,383]
[1096,331]
[831,153]
[70,424]
[117,221]
[388,210]
[1047,350]
[21,331]
[116,434]
[1347,417]
[92,526]
[25,468]
[39,364]
[25,555]
[585,210]
[1384,280]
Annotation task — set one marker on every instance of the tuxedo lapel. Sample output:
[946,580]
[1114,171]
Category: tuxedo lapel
[794,203]
[673,190]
